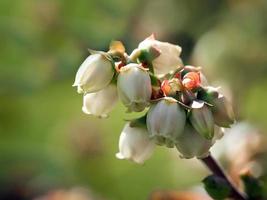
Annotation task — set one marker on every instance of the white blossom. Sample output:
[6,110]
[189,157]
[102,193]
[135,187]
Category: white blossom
[134,144]
[165,121]
[134,87]
[191,144]
[94,74]
[101,102]
[169,58]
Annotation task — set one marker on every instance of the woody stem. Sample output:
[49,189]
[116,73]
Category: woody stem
[214,167]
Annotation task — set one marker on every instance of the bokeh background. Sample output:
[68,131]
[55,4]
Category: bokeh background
[50,150]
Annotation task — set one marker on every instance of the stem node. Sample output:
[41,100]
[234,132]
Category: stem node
[213,166]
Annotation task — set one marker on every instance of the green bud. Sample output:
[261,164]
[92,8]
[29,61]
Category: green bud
[222,112]
[189,68]
[201,118]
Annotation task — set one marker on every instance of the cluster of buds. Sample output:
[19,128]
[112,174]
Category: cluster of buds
[182,110]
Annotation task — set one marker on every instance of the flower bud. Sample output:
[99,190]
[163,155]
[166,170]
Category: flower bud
[101,102]
[166,121]
[201,119]
[171,87]
[189,68]
[134,87]
[135,145]
[169,58]
[191,80]
[222,112]
[191,144]
[95,73]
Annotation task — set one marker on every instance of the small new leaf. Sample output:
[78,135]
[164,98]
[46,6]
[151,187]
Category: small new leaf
[144,56]
[116,46]
[92,51]
[216,187]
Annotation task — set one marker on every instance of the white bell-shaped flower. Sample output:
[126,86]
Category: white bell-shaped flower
[165,121]
[169,58]
[191,144]
[94,74]
[101,102]
[135,144]
[134,87]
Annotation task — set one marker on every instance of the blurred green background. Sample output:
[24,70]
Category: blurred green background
[46,142]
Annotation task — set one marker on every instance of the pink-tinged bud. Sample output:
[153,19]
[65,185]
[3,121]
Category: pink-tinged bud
[191,144]
[165,87]
[166,121]
[170,87]
[201,118]
[189,68]
[100,103]
[191,80]
[95,73]
[134,87]
[169,58]
[222,112]
[135,145]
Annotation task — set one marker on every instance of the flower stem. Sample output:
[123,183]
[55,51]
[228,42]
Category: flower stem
[213,166]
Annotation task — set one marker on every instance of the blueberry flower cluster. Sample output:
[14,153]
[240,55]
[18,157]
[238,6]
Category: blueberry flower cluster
[182,110]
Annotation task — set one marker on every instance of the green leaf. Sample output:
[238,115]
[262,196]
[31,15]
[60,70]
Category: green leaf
[217,187]
[253,187]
